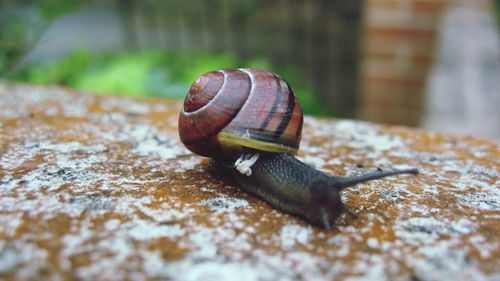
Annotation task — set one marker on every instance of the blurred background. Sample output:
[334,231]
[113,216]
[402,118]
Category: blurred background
[433,64]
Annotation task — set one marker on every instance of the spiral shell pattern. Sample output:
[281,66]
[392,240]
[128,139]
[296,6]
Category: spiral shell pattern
[228,110]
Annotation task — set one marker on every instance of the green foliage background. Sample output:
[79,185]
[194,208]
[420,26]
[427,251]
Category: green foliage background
[153,73]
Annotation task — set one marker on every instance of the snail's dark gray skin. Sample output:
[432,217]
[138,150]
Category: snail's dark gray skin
[290,185]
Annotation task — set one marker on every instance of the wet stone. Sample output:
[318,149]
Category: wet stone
[100,187]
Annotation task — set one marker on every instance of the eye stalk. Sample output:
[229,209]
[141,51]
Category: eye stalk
[249,122]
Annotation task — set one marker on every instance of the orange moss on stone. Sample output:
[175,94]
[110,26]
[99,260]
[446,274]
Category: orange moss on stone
[100,187]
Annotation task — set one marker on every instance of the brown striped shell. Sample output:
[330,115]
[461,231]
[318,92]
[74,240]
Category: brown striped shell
[227,111]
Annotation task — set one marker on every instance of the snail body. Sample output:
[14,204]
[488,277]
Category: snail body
[250,122]
[292,186]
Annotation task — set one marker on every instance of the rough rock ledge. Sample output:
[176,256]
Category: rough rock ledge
[99,187]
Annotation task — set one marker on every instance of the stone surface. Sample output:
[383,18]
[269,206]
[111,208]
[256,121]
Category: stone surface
[101,188]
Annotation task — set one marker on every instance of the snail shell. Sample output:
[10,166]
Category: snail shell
[227,111]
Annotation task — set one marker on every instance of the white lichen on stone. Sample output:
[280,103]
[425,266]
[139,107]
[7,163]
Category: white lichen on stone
[116,181]
[293,234]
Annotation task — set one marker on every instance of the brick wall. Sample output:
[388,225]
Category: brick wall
[397,52]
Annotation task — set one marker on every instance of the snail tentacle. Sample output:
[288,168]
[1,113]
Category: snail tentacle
[325,219]
[342,182]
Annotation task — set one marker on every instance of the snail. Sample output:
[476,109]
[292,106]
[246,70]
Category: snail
[249,122]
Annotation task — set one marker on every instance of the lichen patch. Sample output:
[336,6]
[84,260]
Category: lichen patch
[102,188]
